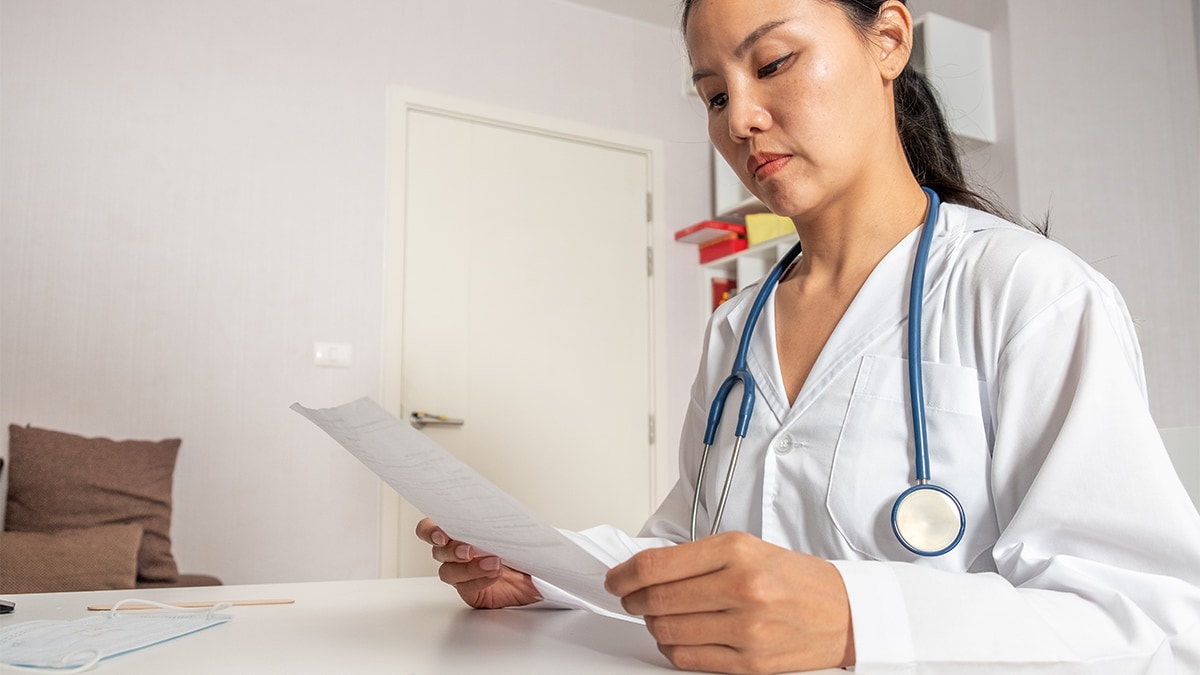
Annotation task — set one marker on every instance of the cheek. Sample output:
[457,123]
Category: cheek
[848,90]
[814,102]
[823,110]
[718,135]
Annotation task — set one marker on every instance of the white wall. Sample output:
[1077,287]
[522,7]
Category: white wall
[194,192]
[1099,126]
[1108,136]
[1107,122]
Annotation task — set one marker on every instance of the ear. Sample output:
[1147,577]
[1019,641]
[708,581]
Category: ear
[893,38]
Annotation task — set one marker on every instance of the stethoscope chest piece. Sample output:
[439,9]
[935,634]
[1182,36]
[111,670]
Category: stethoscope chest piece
[928,520]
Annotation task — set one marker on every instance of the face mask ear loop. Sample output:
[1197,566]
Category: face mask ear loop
[216,608]
[208,616]
[112,613]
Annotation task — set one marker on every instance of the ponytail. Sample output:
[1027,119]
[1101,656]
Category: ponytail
[931,150]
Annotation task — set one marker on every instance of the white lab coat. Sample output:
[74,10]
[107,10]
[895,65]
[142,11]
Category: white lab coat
[1082,550]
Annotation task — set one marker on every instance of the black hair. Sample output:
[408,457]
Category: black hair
[931,150]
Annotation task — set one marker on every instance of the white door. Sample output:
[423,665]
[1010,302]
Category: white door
[527,313]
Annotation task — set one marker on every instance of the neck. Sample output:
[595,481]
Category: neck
[844,242]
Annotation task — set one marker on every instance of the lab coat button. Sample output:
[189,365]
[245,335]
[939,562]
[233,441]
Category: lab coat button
[783,445]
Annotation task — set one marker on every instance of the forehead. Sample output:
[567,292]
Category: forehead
[719,27]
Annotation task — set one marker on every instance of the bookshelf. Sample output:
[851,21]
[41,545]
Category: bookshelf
[732,202]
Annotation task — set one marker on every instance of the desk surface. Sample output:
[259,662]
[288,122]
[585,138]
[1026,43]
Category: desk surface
[394,626]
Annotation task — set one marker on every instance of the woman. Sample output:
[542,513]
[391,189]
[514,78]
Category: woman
[1081,551]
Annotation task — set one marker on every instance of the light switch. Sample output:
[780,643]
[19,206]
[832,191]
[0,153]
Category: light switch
[333,354]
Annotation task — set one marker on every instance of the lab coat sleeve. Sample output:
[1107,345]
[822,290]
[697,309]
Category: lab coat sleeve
[1098,560]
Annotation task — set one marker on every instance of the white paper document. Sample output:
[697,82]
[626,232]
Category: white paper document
[463,503]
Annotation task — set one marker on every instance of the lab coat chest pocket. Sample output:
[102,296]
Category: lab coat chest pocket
[873,459]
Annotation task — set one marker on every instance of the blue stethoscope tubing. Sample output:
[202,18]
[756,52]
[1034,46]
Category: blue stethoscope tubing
[909,530]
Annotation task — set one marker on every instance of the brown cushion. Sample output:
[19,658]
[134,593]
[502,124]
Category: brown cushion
[94,558]
[59,481]
[184,581]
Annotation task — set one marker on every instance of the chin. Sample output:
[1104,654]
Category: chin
[795,199]
[782,205]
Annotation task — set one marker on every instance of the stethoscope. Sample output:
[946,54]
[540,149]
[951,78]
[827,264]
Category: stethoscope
[926,518]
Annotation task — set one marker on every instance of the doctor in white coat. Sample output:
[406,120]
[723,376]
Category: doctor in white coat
[1081,552]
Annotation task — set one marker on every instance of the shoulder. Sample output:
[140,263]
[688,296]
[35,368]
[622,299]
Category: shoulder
[996,247]
[1020,282]
[995,256]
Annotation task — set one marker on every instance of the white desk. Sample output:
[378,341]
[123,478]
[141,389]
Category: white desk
[395,626]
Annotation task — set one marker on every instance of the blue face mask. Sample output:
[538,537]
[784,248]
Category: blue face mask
[75,646]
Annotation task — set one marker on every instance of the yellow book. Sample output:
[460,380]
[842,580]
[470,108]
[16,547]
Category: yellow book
[766,226]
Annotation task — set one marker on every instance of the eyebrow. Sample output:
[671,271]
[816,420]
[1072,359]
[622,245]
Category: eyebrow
[740,51]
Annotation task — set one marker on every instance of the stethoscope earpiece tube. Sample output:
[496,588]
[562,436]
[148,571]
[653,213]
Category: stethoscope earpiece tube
[739,374]
[916,387]
[744,378]
[927,519]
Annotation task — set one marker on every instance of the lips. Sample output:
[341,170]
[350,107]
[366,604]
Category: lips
[766,164]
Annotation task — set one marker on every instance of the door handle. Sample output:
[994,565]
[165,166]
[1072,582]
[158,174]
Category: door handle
[421,419]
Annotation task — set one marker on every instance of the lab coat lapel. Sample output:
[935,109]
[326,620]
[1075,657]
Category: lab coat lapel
[880,306]
[763,362]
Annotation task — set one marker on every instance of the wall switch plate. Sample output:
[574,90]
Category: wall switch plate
[333,354]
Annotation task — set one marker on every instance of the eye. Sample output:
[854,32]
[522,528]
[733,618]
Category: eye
[772,67]
[717,102]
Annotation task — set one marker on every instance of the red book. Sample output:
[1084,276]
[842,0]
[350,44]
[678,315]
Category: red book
[705,232]
[722,290]
[721,249]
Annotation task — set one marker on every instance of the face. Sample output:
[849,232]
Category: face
[797,102]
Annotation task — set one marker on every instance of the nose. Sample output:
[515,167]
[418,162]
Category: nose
[747,117]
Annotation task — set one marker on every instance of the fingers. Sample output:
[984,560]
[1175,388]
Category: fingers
[675,563]
[716,658]
[647,568]
[693,629]
[480,578]
[430,533]
[455,551]
[711,642]
[486,569]
[472,579]
[738,604]
[707,593]
[445,549]
[463,566]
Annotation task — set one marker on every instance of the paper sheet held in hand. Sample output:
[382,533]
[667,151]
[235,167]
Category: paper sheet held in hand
[462,502]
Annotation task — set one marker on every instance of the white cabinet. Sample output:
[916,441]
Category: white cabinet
[957,59]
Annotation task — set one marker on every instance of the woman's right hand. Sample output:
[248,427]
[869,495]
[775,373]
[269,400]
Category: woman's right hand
[481,580]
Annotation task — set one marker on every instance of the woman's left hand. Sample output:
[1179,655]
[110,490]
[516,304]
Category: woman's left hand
[733,603]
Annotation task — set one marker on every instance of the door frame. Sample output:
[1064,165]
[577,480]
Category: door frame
[402,100]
